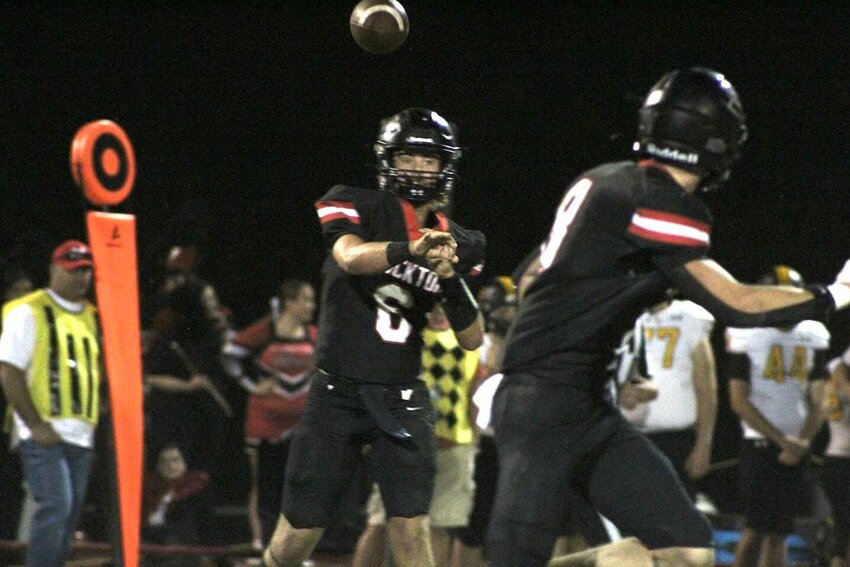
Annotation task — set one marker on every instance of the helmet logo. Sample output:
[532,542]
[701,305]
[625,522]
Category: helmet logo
[415,140]
[672,154]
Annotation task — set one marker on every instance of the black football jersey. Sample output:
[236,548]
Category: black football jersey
[370,325]
[618,235]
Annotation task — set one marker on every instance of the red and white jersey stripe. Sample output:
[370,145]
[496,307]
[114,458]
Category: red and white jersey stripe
[333,210]
[669,228]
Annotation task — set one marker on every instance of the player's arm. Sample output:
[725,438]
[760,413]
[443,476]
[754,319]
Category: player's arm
[816,396]
[14,381]
[359,257]
[739,401]
[816,414]
[458,303]
[633,393]
[17,344]
[705,388]
[737,304]
[841,374]
[15,388]
[169,383]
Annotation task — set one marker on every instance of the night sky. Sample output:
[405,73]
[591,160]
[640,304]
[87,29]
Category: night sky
[242,116]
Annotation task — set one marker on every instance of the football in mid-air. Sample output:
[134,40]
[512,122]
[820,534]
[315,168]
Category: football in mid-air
[379,26]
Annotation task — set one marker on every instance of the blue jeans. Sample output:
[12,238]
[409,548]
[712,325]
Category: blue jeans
[58,477]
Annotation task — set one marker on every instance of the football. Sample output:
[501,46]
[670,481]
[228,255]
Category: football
[379,26]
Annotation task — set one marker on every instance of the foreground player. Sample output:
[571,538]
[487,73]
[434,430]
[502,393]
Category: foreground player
[392,256]
[624,233]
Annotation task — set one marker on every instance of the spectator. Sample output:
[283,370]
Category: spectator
[188,399]
[175,507]
[16,283]
[50,368]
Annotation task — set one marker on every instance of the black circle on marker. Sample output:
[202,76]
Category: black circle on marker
[111,182]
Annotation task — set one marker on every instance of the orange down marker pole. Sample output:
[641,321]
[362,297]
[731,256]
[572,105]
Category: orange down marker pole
[104,166]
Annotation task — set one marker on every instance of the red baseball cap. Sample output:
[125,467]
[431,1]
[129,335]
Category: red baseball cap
[72,254]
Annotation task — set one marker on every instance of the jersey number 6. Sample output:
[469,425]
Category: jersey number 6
[390,323]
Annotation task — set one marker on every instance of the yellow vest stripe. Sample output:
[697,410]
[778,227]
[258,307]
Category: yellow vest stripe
[90,379]
[55,393]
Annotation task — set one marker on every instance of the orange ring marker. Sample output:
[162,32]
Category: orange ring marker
[103,163]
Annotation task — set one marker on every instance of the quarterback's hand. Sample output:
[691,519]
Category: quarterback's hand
[442,267]
[442,242]
[44,434]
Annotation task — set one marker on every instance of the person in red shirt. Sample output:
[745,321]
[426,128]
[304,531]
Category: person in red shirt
[173,503]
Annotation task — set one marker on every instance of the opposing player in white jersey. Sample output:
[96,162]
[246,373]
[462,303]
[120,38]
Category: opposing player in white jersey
[835,474]
[679,358]
[776,386]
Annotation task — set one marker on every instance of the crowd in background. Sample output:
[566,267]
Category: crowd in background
[220,403]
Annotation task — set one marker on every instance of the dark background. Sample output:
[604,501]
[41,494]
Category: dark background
[241,116]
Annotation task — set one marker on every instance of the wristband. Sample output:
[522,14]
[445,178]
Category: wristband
[458,303]
[398,252]
[840,295]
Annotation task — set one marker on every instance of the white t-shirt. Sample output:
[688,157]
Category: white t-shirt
[17,344]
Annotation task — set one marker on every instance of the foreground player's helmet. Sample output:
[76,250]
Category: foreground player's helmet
[498,294]
[693,119]
[782,275]
[417,130]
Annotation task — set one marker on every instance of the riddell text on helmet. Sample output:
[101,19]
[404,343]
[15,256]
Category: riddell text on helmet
[673,154]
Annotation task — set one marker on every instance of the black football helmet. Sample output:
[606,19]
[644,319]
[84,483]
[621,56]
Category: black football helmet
[693,119]
[417,130]
[500,292]
[782,275]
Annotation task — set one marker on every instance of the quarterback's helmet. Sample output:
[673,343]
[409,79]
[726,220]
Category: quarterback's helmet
[498,294]
[693,119]
[417,130]
[782,275]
